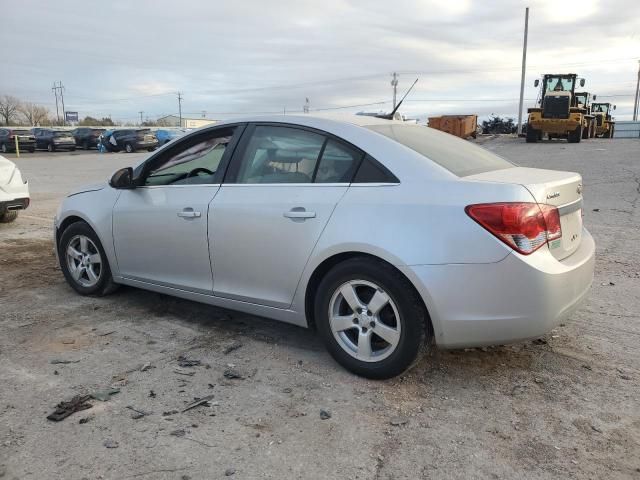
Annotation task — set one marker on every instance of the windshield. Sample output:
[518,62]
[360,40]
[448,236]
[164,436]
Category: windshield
[460,157]
[600,107]
[559,84]
[581,98]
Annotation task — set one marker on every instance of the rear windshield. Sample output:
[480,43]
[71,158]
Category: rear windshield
[21,132]
[459,156]
[61,134]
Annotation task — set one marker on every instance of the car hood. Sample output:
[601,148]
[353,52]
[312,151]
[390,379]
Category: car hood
[92,187]
[7,168]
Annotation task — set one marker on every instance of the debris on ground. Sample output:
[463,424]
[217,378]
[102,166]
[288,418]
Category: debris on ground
[152,394]
[398,421]
[539,341]
[137,413]
[104,395]
[229,471]
[233,373]
[185,362]
[178,433]
[197,402]
[110,443]
[84,420]
[170,412]
[184,372]
[607,284]
[64,409]
[234,346]
[105,333]
[119,381]
[587,367]
[62,362]
[325,414]
[146,366]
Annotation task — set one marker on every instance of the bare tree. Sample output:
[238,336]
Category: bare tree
[34,114]
[8,108]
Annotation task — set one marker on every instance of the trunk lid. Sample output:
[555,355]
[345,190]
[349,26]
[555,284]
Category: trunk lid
[560,189]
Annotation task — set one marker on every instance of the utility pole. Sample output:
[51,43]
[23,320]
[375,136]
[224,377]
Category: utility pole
[204,114]
[394,84]
[55,92]
[141,112]
[524,69]
[64,115]
[180,107]
[305,108]
[635,104]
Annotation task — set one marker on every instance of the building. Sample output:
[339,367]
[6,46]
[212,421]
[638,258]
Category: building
[174,121]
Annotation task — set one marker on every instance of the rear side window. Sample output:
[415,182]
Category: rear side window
[338,163]
[372,171]
[460,157]
[280,155]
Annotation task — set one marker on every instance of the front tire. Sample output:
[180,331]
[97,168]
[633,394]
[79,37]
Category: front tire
[532,135]
[370,318]
[129,148]
[84,262]
[576,135]
[51,147]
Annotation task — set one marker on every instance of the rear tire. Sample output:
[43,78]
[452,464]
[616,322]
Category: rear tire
[85,145]
[8,216]
[32,149]
[391,308]
[532,135]
[51,147]
[586,131]
[80,253]
[576,135]
[129,148]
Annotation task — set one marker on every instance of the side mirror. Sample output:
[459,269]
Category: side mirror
[614,107]
[594,97]
[582,82]
[536,82]
[122,179]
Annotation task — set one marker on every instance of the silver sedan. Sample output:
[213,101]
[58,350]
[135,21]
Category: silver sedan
[387,238]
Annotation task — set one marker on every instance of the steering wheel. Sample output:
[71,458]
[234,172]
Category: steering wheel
[198,170]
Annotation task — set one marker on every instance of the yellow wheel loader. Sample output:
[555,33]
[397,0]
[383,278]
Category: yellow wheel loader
[583,101]
[605,125]
[559,115]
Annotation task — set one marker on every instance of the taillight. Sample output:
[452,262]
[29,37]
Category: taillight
[525,227]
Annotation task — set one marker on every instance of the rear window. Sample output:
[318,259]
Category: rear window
[21,132]
[459,156]
[61,134]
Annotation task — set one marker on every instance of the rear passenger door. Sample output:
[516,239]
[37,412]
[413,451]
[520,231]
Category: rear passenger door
[280,191]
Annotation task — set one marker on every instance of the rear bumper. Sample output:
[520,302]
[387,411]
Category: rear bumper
[518,298]
[16,204]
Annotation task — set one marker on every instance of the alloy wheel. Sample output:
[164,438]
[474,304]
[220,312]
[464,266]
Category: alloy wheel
[364,320]
[84,261]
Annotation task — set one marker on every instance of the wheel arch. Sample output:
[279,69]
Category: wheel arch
[328,263]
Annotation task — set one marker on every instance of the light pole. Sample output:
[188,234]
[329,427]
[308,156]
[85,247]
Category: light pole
[524,69]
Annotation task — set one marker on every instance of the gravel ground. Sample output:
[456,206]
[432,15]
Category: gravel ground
[565,406]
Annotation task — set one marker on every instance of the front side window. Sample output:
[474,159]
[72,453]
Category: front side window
[280,155]
[194,162]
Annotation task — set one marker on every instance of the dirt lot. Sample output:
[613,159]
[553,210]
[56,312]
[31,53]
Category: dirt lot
[565,406]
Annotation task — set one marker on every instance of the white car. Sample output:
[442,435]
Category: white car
[385,237]
[14,192]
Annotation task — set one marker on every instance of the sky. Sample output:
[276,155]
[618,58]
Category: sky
[120,57]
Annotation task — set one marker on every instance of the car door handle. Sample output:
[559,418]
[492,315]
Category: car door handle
[299,212]
[189,213]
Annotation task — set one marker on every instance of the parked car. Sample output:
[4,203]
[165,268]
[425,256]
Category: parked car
[386,237]
[87,137]
[130,140]
[52,140]
[26,141]
[14,192]
[165,136]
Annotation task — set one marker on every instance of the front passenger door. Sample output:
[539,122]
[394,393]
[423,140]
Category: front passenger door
[160,227]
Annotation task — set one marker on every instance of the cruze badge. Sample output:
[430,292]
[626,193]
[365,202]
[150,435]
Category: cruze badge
[553,195]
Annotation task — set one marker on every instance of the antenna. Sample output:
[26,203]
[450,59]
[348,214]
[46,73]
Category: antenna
[389,116]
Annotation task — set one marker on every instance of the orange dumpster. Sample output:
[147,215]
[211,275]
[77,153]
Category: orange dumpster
[462,126]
